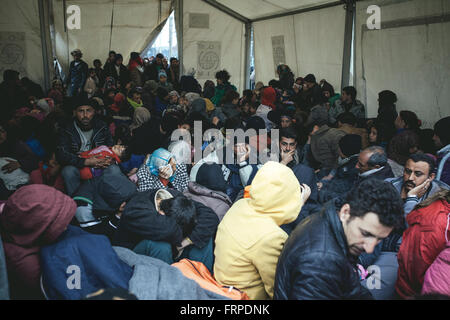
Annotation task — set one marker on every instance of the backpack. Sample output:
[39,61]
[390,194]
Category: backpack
[198,272]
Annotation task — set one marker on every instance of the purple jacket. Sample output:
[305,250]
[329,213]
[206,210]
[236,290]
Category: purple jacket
[437,277]
[218,201]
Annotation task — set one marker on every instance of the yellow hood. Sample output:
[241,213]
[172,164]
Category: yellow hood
[275,193]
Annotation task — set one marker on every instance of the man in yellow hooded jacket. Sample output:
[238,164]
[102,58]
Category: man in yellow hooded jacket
[249,239]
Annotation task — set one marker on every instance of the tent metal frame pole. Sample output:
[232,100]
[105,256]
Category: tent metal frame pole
[248,35]
[350,8]
[180,32]
[44,44]
[228,11]
[294,12]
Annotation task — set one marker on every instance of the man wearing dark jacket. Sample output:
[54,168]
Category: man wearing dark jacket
[164,224]
[319,258]
[78,72]
[101,201]
[11,95]
[118,71]
[83,133]
[151,71]
[339,182]
[310,95]
[372,162]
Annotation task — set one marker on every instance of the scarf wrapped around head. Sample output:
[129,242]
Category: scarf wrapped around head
[159,158]
[140,116]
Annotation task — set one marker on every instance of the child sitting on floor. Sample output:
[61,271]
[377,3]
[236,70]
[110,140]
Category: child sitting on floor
[117,152]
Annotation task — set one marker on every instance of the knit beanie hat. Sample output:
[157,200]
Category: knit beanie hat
[210,176]
[350,144]
[162,73]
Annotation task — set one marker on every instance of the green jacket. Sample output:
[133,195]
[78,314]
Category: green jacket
[220,92]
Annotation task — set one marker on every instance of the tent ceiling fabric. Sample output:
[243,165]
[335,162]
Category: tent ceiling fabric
[412,60]
[254,9]
[209,47]
[133,22]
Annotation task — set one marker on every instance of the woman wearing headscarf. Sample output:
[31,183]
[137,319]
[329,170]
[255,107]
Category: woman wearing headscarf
[160,170]
[140,116]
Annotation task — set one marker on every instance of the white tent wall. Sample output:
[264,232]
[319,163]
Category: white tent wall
[133,24]
[412,61]
[20,39]
[320,44]
[313,43]
[223,29]
[267,37]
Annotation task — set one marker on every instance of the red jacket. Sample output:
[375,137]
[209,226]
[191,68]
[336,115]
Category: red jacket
[421,244]
[102,152]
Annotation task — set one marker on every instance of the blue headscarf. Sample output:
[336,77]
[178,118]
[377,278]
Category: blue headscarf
[159,158]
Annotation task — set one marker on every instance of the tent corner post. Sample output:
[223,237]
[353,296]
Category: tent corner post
[350,10]
[248,31]
[44,44]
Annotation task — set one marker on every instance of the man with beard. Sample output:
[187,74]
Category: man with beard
[417,183]
[84,132]
[319,258]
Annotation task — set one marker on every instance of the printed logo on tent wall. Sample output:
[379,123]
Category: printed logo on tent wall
[208,58]
[278,51]
[12,52]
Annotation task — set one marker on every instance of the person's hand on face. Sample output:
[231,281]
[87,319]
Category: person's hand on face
[11,166]
[215,121]
[165,172]
[242,152]
[287,156]
[120,210]
[306,192]
[420,190]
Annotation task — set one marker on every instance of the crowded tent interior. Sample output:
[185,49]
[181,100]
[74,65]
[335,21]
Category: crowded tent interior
[225,150]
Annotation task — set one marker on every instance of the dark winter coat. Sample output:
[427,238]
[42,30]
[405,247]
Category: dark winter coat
[305,175]
[140,221]
[123,77]
[77,76]
[315,264]
[148,137]
[325,145]
[345,178]
[99,266]
[383,174]
[69,142]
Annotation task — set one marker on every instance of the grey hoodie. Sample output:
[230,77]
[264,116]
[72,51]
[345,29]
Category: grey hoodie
[154,279]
